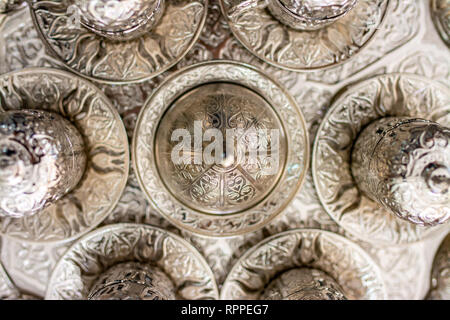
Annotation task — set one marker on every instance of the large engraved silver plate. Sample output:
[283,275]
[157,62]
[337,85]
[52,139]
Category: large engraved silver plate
[386,95]
[84,262]
[106,146]
[348,264]
[95,57]
[284,47]
[232,197]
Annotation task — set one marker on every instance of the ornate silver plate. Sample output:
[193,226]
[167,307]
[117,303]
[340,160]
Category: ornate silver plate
[232,197]
[295,50]
[81,265]
[103,60]
[386,95]
[343,260]
[107,152]
[440,12]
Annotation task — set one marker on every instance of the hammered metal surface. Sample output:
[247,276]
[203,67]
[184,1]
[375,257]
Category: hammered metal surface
[93,254]
[382,96]
[344,261]
[90,55]
[275,43]
[202,190]
[106,148]
[42,158]
[406,42]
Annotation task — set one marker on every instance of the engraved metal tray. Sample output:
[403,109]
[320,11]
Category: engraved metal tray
[407,41]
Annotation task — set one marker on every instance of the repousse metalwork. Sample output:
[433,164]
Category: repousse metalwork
[120,20]
[106,148]
[353,270]
[309,14]
[42,158]
[284,47]
[405,43]
[440,11]
[246,214]
[303,284]
[404,164]
[399,95]
[91,55]
[440,275]
[89,257]
[133,281]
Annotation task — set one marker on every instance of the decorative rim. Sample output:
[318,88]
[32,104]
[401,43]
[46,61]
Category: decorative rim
[296,50]
[93,254]
[440,10]
[381,96]
[116,62]
[354,270]
[288,183]
[106,142]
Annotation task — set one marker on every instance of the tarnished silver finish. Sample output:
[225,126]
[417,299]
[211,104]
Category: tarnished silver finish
[309,14]
[355,273]
[105,145]
[133,281]
[120,20]
[233,196]
[91,55]
[440,11]
[81,266]
[284,47]
[303,284]
[440,274]
[404,165]
[392,95]
[42,158]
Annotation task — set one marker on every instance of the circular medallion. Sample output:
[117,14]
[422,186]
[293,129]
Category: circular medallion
[440,12]
[220,149]
[392,95]
[275,43]
[83,265]
[266,264]
[99,58]
[106,148]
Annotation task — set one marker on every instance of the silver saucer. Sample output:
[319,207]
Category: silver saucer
[106,144]
[386,95]
[279,45]
[232,197]
[343,260]
[97,58]
[93,254]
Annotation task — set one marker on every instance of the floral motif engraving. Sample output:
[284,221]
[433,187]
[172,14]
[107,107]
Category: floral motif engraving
[344,261]
[106,149]
[77,270]
[260,214]
[388,95]
[120,61]
[271,41]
